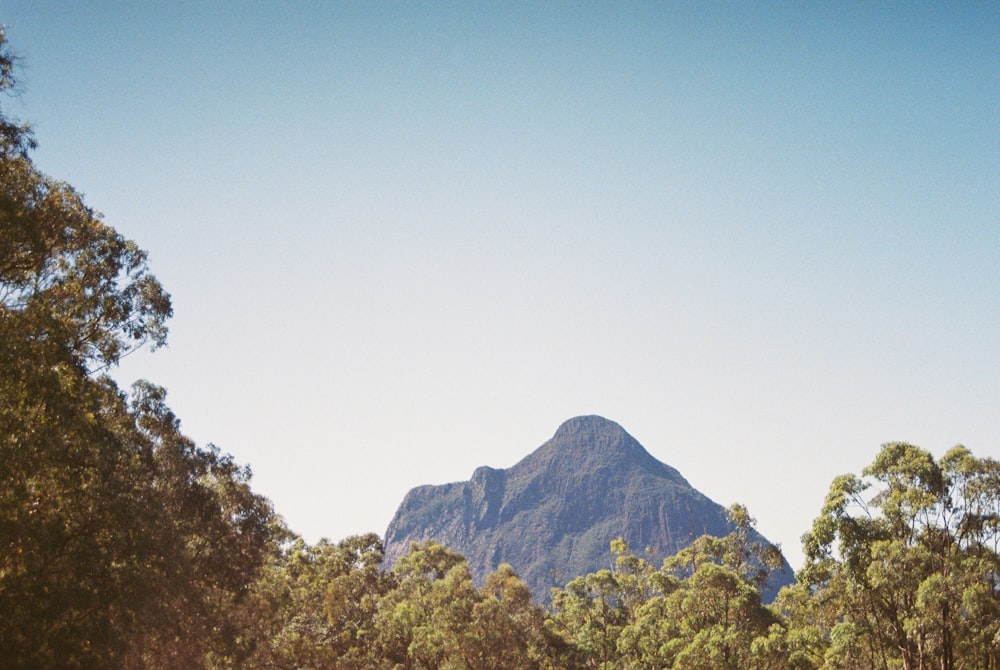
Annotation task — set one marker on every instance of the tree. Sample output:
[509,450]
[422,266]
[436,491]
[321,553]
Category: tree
[424,620]
[908,555]
[701,609]
[208,536]
[509,631]
[435,617]
[314,606]
[120,541]
[591,613]
[707,610]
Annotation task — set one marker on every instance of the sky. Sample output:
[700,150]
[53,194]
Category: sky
[404,240]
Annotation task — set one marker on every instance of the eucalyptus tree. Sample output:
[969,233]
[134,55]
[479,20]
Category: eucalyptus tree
[510,631]
[707,610]
[902,569]
[120,540]
[313,606]
[435,617]
[701,609]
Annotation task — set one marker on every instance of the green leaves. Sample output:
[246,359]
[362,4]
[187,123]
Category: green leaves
[701,609]
[67,280]
[334,606]
[70,279]
[911,568]
[122,544]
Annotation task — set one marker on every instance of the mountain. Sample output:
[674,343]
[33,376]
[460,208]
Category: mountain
[553,515]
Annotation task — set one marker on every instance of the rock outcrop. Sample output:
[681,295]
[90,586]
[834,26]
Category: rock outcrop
[553,515]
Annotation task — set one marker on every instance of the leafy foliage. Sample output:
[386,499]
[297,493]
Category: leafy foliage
[701,609]
[908,556]
[122,544]
[333,606]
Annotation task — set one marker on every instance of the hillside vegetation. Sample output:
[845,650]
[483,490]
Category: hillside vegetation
[125,545]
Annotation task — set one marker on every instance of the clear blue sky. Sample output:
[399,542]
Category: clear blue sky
[405,240]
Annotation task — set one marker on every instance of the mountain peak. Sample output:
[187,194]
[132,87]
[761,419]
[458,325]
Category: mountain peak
[591,442]
[586,426]
[553,514]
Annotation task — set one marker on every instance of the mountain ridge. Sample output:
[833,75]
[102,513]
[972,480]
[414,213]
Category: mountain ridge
[553,514]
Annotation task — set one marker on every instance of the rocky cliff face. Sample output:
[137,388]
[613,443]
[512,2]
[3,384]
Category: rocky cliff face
[553,515]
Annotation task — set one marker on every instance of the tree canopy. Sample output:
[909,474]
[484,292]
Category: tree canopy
[902,567]
[121,541]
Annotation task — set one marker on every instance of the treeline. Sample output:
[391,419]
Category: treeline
[906,577]
[125,545]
